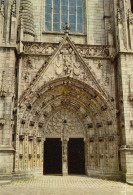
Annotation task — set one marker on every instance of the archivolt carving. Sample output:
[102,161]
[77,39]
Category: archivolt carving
[64,122]
[69,108]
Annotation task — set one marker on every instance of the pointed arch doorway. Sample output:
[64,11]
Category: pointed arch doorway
[64,154]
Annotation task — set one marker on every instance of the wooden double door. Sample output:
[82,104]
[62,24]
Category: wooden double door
[53,156]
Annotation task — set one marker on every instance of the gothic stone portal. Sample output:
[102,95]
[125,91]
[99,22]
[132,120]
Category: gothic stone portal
[68,109]
[64,123]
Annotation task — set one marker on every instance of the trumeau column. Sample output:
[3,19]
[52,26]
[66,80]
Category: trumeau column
[65,156]
[64,140]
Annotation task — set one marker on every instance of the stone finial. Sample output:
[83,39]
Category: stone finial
[66,28]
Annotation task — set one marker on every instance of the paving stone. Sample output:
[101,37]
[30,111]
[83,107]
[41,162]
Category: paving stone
[65,185]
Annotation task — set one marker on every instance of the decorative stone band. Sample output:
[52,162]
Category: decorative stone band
[86,51]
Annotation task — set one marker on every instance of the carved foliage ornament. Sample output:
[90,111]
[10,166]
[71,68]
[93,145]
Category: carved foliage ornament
[47,49]
[39,48]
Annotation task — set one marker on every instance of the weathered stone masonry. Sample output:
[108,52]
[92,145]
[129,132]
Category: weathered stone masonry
[84,79]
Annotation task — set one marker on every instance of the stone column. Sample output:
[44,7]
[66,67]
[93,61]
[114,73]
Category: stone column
[65,156]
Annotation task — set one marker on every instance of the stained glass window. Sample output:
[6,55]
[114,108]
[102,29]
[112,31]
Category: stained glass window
[58,12]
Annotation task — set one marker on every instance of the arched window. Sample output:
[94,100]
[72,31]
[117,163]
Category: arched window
[58,12]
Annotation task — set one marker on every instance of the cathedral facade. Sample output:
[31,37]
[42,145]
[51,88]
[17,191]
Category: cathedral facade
[66,96]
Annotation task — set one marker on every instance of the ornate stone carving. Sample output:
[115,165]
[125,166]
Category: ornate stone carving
[93,51]
[65,122]
[67,64]
[129,16]
[39,48]
[48,49]
[67,61]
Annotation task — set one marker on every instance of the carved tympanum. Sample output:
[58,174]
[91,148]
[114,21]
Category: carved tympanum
[65,122]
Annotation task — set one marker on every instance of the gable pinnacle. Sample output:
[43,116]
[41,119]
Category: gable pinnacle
[66,28]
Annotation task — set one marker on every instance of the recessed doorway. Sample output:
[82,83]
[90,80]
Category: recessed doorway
[53,156]
[76,156]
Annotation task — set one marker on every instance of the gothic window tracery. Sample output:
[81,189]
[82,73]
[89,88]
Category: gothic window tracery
[58,12]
